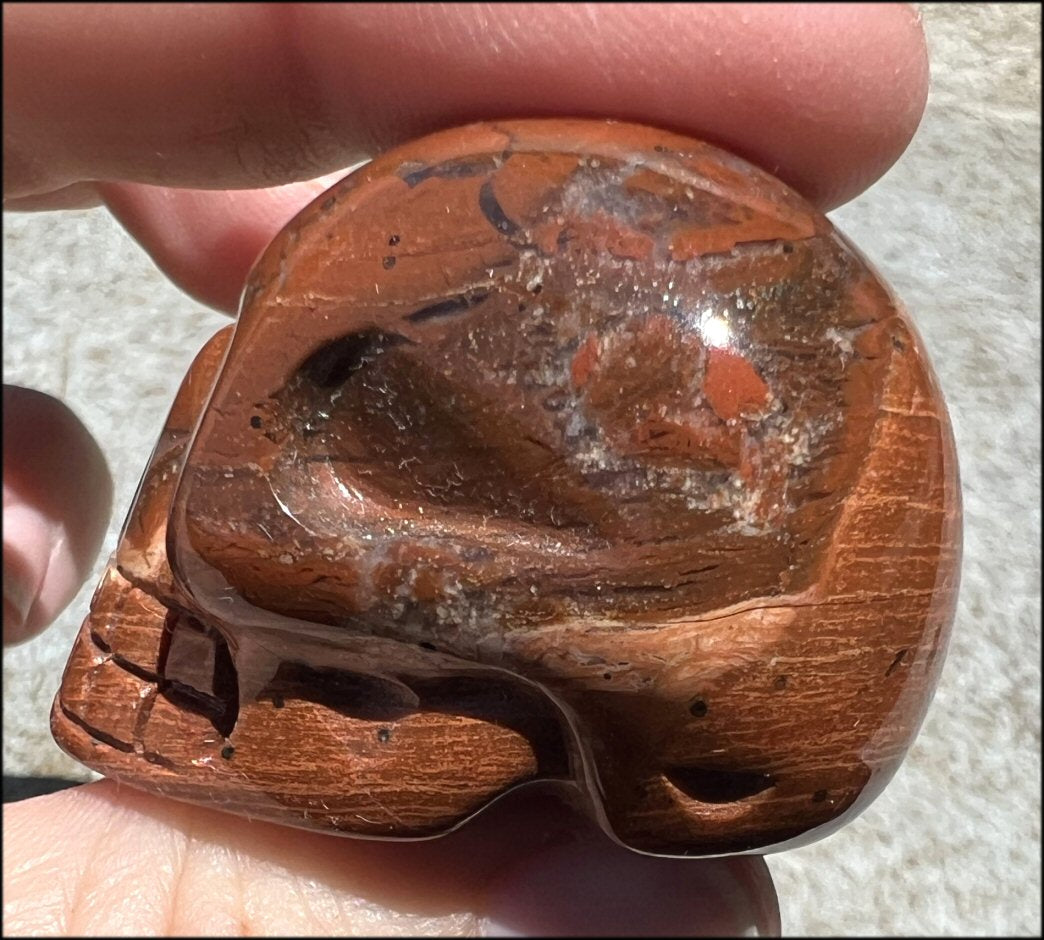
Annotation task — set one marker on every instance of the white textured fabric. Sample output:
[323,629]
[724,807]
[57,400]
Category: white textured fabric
[952,847]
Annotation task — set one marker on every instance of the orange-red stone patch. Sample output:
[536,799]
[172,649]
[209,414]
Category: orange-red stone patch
[732,386]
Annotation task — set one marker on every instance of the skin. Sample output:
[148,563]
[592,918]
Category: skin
[204,133]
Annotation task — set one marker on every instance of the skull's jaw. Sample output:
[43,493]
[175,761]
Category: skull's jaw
[155,699]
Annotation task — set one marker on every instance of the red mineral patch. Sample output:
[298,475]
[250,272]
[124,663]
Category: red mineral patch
[732,386]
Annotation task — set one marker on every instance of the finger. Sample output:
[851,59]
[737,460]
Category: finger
[100,859]
[589,889]
[206,241]
[249,95]
[57,502]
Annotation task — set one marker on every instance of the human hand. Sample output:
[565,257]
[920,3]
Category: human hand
[213,98]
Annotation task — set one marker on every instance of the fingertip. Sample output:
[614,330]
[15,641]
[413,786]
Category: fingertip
[594,888]
[881,56]
[57,503]
[829,96]
[206,241]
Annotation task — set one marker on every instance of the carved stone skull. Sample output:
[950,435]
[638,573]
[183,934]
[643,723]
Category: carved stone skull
[565,451]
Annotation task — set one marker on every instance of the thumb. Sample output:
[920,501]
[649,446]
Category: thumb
[590,888]
[57,501]
[101,858]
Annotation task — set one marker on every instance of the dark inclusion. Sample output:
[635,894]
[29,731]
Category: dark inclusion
[698,708]
[445,308]
[493,211]
[415,174]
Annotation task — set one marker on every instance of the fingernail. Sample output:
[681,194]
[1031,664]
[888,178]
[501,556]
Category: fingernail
[596,888]
[38,569]
[18,598]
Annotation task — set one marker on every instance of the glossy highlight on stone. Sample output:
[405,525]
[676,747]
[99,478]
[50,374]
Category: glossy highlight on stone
[558,451]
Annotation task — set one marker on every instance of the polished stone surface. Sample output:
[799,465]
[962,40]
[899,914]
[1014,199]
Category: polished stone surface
[563,451]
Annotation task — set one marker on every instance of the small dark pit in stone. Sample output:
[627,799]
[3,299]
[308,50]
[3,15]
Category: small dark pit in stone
[607,675]
[698,708]
[779,683]
[819,796]
[227,751]
[255,422]
[898,343]
[393,241]
[384,735]
[388,262]
[536,288]
[328,204]
[556,399]
[896,663]
[787,248]
[426,645]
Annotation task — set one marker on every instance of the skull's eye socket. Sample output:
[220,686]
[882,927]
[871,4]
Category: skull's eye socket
[419,424]
[334,363]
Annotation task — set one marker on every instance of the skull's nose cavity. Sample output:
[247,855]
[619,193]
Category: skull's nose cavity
[196,672]
[713,785]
